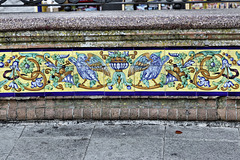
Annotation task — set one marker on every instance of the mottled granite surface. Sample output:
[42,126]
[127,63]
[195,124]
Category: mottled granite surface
[118,20]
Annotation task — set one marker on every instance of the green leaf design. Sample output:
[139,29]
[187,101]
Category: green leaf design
[108,60]
[55,80]
[75,79]
[146,82]
[171,84]
[55,84]
[118,54]
[39,60]
[53,71]
[220,83]
[238,55]
[192,86]
[22,85]
[54,57]
[49,87]
[27,66]
[129,80]
[163,79]
[69,68]
[191,53]
[92,83]
[2,57]
[57,57]
[61,61]
[213,64]
[180,57]
[199,58]
[109,80]
[237,80]
[169,67]
[184,81]
[68,85]
[185,70]
[2,83]
[129,60]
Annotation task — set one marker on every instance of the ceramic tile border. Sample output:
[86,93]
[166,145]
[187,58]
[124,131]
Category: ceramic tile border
[166,53]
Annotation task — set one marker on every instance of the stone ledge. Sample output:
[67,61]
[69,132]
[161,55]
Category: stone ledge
[119,38]
[118,20]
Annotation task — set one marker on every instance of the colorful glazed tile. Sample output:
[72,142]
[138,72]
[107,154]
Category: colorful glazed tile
[186,72]
[6,58]
[88,71]
[210,75]
[179,72]
[230,75]
[11,73]
[118,63]
[148,71]
[4,81]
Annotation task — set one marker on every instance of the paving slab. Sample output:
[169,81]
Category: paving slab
[76,130]
[11,131]
[118,141]
[8,137]
[192,132]
[125,148]
[140,142]
[48,149]
[200,150]
[6,146]
[135,130]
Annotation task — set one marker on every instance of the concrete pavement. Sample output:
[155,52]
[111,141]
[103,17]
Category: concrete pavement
[119,140]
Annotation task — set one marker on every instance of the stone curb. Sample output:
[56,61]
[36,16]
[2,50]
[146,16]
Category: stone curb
[118,20]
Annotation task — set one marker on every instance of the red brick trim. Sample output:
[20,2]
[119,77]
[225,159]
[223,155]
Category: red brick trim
[159,108]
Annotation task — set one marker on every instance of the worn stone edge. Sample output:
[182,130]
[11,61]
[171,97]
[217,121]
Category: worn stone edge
[118,20]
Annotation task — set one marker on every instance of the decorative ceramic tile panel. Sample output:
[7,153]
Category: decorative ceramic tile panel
[164,72]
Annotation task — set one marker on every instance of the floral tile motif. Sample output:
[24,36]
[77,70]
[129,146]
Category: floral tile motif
[118,63]
[57,69]
[120,72]
[180,70]
[216,72]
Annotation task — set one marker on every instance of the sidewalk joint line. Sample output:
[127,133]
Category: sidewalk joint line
[15,143]
[163,146]
[203,140]
[89,142]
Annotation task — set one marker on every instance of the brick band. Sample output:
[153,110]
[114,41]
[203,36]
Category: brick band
[121,108]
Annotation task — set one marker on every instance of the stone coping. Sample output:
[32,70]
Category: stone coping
[121,20]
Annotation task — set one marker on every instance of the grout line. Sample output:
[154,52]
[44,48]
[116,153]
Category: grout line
[15,143]
[163,146]
[89,142]
[238,133]
[21,133]
[203,139]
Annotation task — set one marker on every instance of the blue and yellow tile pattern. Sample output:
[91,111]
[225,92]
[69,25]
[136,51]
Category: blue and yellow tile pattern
[164,72]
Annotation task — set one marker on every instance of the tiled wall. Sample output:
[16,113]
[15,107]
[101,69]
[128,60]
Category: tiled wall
[124,71]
